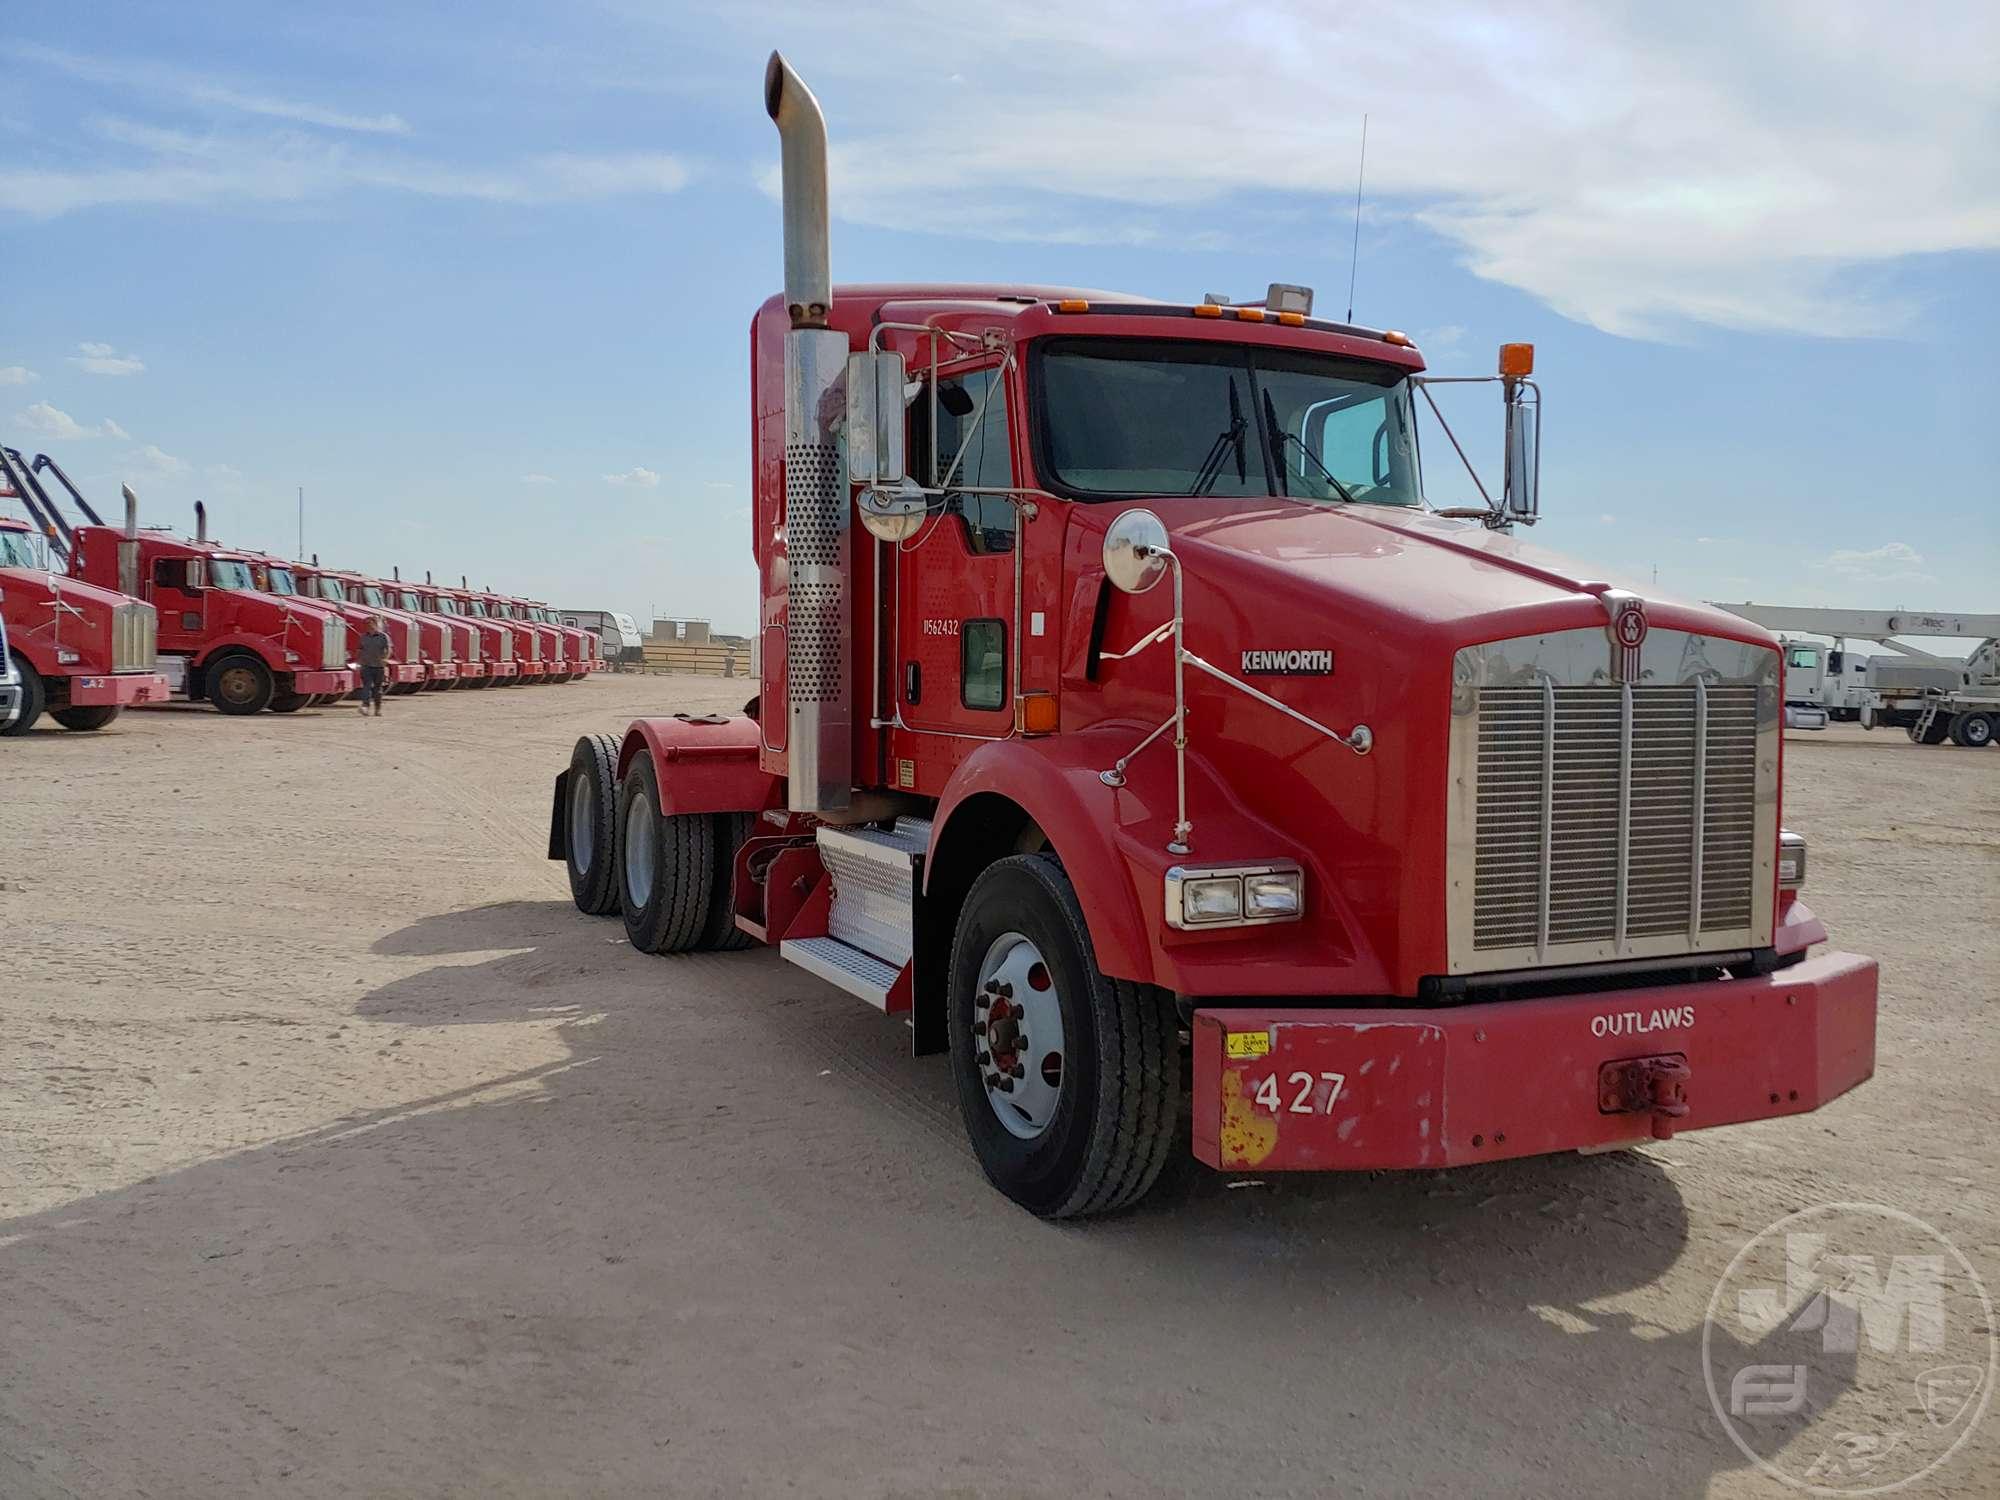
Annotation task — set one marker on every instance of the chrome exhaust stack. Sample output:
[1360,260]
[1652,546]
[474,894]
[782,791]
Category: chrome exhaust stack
[128,547]
[200,522]
[820,731]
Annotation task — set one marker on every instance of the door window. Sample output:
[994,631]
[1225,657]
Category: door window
[982,676]
[972,434]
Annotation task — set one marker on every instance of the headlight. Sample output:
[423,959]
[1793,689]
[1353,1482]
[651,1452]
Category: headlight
[1791,860]
[1234,895]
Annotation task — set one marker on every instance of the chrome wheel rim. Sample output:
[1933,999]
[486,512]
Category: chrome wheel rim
[1016,1037]
[639,857]
[582,822]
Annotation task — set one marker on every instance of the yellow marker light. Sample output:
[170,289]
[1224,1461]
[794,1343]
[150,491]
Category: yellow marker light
[1396,336]
[1292,319]
[1072,305]
[1035,713]
[1207,310]
[1517,360]
[1249,314]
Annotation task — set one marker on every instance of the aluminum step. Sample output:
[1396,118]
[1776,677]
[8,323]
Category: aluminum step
[860,974]
[874,872]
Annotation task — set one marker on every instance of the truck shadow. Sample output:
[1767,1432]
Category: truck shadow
[734,1235]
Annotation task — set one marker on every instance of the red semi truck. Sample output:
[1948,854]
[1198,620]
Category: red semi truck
[1157,751]
[81,653]
[455,641]
[497,641]
[355,599]
[221,639]
[528,646]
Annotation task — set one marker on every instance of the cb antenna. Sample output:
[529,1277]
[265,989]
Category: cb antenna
[1354,259]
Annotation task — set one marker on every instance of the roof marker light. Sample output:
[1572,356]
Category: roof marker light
[1292,319]
[1249,314]
[1207,310]
[1396,336]
[1072,305]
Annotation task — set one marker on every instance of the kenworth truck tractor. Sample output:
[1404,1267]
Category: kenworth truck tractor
[1132,726]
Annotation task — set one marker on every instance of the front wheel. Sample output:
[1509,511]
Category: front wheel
[291,703]
[90,716]
[240,685]
[1068,1080]
[34,697]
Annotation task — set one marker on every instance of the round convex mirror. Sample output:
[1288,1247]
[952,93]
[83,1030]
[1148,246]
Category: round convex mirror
[1132,549]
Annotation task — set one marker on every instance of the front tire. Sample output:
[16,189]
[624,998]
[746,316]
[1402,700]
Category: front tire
[666,866]
[90,716]
[1094,1062]
[593,825]
[34,697]
[240,684]
[291,703]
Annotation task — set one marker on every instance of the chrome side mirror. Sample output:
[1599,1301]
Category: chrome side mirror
[1133,549]
[1520,497]
[875,448]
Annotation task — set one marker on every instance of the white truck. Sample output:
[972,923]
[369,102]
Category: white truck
[1932,698]
[618,634]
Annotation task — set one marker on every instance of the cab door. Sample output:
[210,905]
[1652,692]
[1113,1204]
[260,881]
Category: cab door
[180,599]
[953,645]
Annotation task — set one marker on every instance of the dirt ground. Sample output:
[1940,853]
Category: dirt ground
[339,1155]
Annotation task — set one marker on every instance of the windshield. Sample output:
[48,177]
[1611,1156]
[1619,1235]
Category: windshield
[409,601]
[328,588]
[281,580]
[372,597]
[446,606]
[17,550]
[476,608]
[229,573]
[1149,417]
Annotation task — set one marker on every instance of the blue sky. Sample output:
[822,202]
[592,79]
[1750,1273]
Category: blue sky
[482,286]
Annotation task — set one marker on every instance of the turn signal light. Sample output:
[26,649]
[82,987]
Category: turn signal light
[1517,360]
[1035,713]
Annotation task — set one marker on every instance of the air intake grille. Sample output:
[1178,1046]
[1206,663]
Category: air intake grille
[1608,814]
[134,638]
[333,642]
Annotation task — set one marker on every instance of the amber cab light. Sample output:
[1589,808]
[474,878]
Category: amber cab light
[1517,361]
[1072,305]
[1035,713]
[1207,310]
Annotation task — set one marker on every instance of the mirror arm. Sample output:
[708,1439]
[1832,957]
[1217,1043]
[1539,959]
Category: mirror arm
[1424,386]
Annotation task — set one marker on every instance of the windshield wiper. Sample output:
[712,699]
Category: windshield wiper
[1232,435]
[1279,437]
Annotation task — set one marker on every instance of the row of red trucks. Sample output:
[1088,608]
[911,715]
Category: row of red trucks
[101,617]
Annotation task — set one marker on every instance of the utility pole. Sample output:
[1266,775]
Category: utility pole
[302,521]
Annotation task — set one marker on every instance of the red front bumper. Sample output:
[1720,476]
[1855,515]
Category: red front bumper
[323,682]
[122,688]
[1280,1090]
[406,671]
[441,671]
[533,668]
[506,669]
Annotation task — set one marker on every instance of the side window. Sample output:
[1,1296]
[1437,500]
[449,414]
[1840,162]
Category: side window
[982,664]
[1354,442]
[972,432]
[1805,657]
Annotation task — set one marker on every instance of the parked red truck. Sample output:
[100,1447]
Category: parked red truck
[356,599]
[221,639]
[82,653]
[529,646]
[497,641]
[1154,745]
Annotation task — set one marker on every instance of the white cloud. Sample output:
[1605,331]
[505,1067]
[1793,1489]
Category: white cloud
[163,463]
[1892,562]
[1445,339]
[146,164]
[44,420]
[1635,168]
[193,88]
[537,479]
[225,476]
[17,375]
[102,359]
[644,478]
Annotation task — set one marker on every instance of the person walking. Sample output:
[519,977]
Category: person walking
[374,665]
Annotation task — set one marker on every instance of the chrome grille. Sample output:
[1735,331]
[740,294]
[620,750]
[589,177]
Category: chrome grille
[333,642]
[135,632]
[506,645]
[1594,819]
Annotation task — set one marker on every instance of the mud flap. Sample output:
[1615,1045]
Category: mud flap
[558,822]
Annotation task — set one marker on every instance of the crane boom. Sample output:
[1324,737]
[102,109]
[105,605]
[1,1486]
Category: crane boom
[1866,624]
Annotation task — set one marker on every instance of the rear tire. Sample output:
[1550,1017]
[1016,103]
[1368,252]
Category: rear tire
[240,684]
[1974,731]
[593,825]
[1937,734]
[721,934]
[34,697]
[90,716]
[291,703]
[666,866]
[1118,1072]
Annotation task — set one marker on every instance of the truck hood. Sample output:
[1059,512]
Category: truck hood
[1454,583]
[36,583]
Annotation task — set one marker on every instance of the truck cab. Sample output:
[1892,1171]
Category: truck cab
[455,639]
[549,642]
[1133,725]
[221,639]
[347,594]
[78,652]
[532,651]
[500,645]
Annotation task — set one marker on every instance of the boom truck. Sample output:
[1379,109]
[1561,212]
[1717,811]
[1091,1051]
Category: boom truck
[78,652]
[1931,698]
[1131,726]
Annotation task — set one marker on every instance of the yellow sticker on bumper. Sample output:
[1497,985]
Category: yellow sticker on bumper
[1248,1044]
